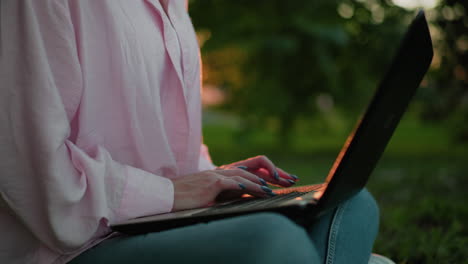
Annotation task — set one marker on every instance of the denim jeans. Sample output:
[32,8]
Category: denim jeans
[344,235]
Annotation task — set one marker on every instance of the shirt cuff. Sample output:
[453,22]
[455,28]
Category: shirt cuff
[145,194]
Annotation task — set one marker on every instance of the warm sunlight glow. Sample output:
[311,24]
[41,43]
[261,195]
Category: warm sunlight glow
[212,95]
[412,4]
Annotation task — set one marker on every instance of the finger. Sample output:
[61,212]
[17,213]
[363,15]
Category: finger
[247,186]
[261,162]
[281,182]
[226,183]
[253,188]
[262,173]
[282,174]
[243,173]
[286,175]
[266,175]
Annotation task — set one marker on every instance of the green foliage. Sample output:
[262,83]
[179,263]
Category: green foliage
[286,60]
[293,52]
[446,97]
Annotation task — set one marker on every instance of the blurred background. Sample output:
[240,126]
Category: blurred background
[289,79]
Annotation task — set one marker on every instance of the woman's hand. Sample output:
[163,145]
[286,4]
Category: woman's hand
[265,169]
[244,177]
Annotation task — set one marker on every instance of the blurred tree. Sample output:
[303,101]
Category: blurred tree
[282,60]
[446,96]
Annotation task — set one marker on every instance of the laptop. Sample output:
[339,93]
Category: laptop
[354,164]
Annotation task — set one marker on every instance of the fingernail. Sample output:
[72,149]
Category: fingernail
[294,177]
[276,175]
[263,181]
[291,181]
[242,167]
[266,189]
[271,194]
[242,186]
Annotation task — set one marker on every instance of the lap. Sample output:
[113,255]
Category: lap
[257,238]
[244,239]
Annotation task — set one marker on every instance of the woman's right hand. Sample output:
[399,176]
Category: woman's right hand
[201,189]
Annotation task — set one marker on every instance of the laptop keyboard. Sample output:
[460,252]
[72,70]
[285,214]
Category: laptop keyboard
[251,203]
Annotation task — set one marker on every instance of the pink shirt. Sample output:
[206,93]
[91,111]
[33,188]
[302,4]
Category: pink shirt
[99,108]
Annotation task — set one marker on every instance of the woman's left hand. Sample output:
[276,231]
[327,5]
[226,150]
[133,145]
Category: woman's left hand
[265,169]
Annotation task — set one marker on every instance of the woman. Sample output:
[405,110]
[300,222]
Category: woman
[101,122]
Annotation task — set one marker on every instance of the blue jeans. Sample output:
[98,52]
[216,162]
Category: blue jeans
[344,235]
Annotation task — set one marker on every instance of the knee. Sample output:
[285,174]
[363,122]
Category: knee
[365,211]
[365,200]
[274,238]
[354,227]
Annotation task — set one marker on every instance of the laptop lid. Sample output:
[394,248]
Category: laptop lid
[367,142]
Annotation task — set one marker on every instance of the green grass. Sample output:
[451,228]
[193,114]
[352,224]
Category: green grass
[423,209]
[420,183]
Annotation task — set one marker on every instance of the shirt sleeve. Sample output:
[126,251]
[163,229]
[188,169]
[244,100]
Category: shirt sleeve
[59,192]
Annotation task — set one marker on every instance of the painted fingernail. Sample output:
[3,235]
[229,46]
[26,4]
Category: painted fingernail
[294,177]
[263,181]
[266,189]
[291,181]
[242,167]
[271,194]
[242,186]
[276,175]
